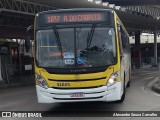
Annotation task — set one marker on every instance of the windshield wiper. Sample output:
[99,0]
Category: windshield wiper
[90,36]
[58,41]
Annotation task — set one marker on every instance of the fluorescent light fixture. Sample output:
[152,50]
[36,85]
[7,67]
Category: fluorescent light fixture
[118,7]
[123,9]
[90,0]
[105,3]
[98,1]
[111,5]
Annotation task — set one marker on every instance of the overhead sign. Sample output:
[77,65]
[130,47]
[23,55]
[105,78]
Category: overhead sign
[73,17]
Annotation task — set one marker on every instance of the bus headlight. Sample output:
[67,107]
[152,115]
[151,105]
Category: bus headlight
[41,81]
[113,79]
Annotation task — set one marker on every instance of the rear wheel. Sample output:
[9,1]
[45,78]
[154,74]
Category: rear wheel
[129,81]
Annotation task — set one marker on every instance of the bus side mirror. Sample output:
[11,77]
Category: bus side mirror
[27,40]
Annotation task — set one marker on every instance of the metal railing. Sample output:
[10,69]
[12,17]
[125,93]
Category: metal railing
[17,74]
[147,62]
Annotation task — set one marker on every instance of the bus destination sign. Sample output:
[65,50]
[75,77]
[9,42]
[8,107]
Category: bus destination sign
[75,17]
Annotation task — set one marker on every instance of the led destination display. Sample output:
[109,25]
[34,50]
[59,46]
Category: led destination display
[50,18]
[75,17]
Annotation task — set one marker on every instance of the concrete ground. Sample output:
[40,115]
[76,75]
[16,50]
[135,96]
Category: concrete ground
[139,97]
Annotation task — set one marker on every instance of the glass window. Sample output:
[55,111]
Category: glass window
[76,47]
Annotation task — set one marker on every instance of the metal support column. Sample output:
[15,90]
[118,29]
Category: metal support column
[159,73]
[137,50]
[155,49]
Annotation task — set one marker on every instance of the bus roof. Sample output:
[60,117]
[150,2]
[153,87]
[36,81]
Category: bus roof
[76,10]
[67,16]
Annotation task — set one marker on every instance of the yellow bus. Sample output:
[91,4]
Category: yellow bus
[81,55]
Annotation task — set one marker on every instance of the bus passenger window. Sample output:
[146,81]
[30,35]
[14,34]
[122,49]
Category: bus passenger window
[120,38]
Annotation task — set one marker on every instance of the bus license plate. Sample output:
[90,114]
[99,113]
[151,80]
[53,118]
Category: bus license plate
[69,62]
[77,94]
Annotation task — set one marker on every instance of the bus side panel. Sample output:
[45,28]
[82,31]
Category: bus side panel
[119,54]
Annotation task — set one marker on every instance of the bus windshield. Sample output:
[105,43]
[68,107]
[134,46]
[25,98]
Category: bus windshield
[76,47]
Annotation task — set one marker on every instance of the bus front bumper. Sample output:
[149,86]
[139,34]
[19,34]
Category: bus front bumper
[104,93]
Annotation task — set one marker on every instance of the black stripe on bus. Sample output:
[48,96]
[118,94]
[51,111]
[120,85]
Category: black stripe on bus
[77,87]
[81,80]
[70,93]
[77,98]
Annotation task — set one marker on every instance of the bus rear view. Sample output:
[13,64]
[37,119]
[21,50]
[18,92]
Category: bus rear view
[78,56]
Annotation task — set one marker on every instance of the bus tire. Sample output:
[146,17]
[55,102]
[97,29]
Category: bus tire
[129,81]
[124,93]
